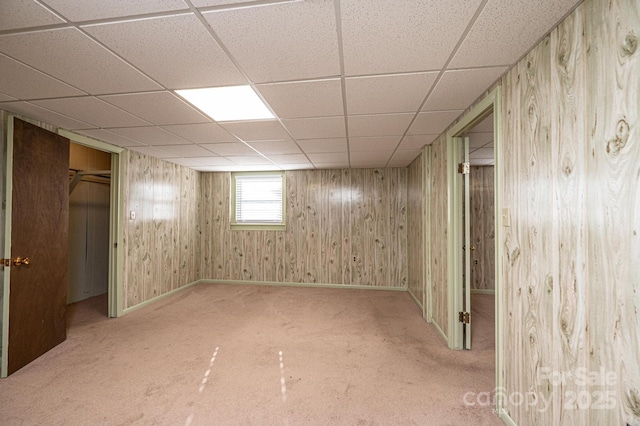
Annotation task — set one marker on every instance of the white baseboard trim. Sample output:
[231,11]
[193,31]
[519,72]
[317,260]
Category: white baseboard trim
[439,330]
[312,285]
[158,298]
[506,418]
[483,291]
[262,283]
[415,299]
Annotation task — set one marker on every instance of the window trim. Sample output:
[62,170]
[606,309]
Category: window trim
[234,226]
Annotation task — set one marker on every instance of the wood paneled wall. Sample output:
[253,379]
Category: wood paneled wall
[482,205]
[571,179]
[162,244]
[438,237]
[333,217]
[416,242]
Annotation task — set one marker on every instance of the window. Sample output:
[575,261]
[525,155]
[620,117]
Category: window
[258,200]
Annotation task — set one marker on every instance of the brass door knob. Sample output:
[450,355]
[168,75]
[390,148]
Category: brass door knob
[21,261]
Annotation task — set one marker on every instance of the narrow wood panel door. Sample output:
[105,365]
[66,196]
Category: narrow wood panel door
[39,231]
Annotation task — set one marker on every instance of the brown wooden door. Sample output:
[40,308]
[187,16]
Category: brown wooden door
[39,231]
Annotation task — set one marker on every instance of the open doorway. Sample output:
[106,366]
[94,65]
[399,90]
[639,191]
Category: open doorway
[115,228]
[487,112]
[89,208]
[481,250]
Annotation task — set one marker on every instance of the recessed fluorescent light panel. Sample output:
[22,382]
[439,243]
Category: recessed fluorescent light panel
[234,103]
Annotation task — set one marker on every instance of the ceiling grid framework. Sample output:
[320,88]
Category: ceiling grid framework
[352,83]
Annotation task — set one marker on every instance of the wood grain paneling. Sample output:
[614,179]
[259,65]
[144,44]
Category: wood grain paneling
[438,240]
[162,244]
[416,218]
[613,200]
[531,271]
[482,205]
[569,198]
[332,216]
[571,174]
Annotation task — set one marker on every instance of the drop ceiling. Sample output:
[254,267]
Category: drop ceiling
[352,83]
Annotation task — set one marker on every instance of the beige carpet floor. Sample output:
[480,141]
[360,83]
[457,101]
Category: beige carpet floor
[251,355]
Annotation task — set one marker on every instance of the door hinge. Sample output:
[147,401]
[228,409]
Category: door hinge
[464,317]
[463,168]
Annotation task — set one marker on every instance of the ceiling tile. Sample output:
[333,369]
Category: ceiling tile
[369,164]
[289,159]
[206,3]
[23,82]
[481,161]
[5,98]
[323,145]
[329,157]
[433,123]
[257,130]
[276,147]
[176,51]
[484,153]
[289,41]
[109,137]
[316,128]
[476,140]
[376,143]
[406,156]
[458,89]
[93,111]
[150,135]
[416,141]
[379,125]
[333,165]
[233,148]
[248,160]
[151,150]
[504,31]
[24,14]
[158,108]
[304,98]
[100,9]
[373,156]
[201,162]
[387,93]
[201,133]
[398,36]
[37,113]
[215,161]
[486,125]
[239,168]
[59,53]
[303,166]
[187,162]
[185,150]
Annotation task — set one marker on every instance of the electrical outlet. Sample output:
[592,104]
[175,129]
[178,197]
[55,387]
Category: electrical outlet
[132,215]
[506,217]
[354,258]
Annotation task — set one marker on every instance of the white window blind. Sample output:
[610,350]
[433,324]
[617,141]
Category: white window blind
[259,199]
